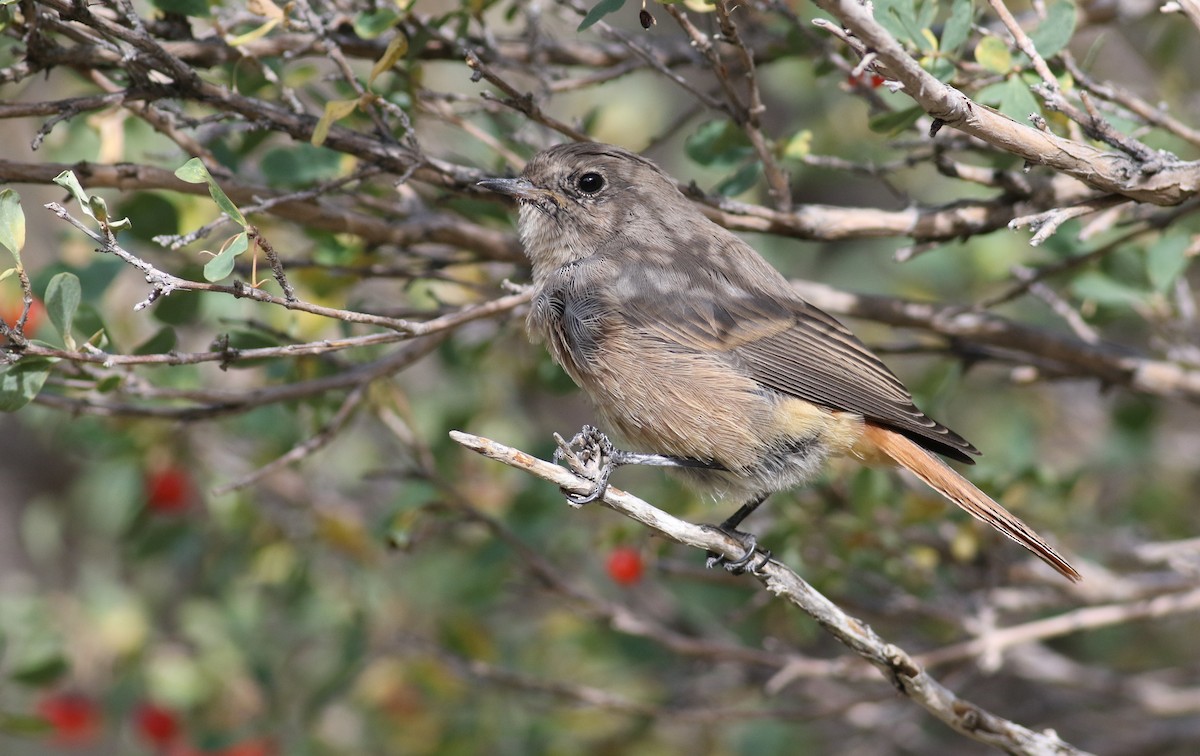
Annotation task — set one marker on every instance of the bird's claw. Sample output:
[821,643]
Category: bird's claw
[589,454]
[739,565]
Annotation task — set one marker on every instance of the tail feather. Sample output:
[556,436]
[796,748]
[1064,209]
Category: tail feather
[942,478]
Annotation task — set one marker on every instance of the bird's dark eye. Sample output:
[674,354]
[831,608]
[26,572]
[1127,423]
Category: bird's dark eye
[590,183]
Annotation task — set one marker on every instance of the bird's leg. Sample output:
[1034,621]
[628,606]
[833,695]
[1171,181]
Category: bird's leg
[591,455]
[729,528]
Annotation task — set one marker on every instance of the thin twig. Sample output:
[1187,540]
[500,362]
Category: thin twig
[305,449]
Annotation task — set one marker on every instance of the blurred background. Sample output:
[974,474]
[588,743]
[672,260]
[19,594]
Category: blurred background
[207,552]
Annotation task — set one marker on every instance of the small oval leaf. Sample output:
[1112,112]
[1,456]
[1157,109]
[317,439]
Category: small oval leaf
[335,110]
[62,300]
[12,223]
[222,265]
[21,382]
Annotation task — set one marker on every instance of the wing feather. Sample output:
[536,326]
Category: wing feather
[784,343]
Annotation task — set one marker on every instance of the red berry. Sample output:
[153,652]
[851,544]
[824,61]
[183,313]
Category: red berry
[874,82]
[156,725]
[74,718]
[625,566]
[168,491]
[10,313]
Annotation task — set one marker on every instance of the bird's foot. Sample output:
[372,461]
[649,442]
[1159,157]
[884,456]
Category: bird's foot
[589,455]
[742,564]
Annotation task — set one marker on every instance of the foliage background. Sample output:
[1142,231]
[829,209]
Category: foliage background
[388,592]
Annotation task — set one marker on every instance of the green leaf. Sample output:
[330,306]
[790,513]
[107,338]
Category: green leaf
[941,68]
[177,310]
[89,321]
[12,223]
[222,265]
[895,121]
[1105,290]
[21,382]
[161,342]
[194,172]
[958,26]
[42,671]
[371,24]
[24,725]
[718,143]
[183,7]
[1053,34]
[299,165]
[1166,259]
[1016,101]
[909,21]
[993,54]
[67,180]
[62,300]
[599,11]
[992,94]
[743,179]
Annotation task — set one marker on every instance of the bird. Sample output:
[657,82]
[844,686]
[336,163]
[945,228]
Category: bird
[702,356]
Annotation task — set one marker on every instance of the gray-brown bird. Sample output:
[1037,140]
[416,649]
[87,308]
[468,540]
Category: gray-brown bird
[700,353]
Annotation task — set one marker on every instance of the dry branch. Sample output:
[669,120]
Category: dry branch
[1168,183]
[893,662]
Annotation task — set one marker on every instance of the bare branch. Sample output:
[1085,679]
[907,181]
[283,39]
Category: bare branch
[895,664]
[1105,363]
[1087,618]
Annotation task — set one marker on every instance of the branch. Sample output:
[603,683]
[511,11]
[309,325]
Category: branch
[1110,172]
[1107,363]
[1086,618]
[443,229]
[895,664]
[163,284]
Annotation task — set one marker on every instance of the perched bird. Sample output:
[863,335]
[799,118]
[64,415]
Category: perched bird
[700,353]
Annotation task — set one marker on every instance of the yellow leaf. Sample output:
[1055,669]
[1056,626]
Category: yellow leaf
[993,54]
[394,52]
[799,146]
[267,9]
[346,533]
[254,34]
[335,110]
[932,40]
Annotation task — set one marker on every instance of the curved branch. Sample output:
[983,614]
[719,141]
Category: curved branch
[895,664]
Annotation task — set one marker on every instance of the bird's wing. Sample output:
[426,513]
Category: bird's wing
[783,342]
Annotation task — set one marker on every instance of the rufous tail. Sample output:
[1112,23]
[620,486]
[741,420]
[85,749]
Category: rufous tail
[930,468]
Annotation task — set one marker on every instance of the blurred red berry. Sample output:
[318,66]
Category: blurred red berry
[10,313]
[74,718]
[875,81]
[168,491]
[156,725]
[625,565]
